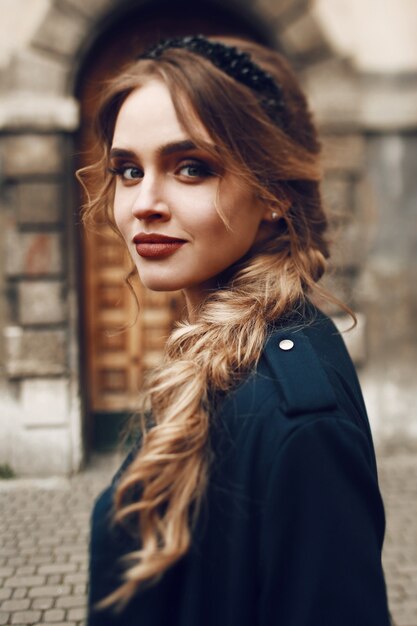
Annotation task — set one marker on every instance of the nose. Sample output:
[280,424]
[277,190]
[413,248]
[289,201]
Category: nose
[149,203]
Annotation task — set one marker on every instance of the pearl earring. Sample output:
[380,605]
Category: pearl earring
[274,215]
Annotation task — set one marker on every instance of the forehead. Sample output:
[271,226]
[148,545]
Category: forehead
[148,115]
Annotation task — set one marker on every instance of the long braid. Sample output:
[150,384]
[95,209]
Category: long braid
[173,464]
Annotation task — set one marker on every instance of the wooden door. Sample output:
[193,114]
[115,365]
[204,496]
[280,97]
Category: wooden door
[126,336]
[120,343]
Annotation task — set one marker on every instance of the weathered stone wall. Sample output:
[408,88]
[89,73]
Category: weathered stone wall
[36,278]
[368,126]
[40,413]
[388,287]
[370,90]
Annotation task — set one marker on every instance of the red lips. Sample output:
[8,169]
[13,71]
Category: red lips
[153,245]
[155,238]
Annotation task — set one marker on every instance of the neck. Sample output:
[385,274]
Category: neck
[194,298]
[193,303]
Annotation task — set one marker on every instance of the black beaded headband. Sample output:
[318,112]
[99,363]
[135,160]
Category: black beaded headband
[233,62]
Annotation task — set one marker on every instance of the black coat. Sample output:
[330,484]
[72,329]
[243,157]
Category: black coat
[292,525]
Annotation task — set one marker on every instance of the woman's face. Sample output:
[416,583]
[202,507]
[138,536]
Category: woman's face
[166,195]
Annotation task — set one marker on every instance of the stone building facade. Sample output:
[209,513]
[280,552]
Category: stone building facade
[368,119]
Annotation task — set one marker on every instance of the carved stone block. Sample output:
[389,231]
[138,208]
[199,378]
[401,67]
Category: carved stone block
[35,352]
[40,302]
[39,203]
[31,154]
[33,254]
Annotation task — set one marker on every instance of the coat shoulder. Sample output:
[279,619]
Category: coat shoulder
[297,372]
[304,373]
[304,376]
[301,368]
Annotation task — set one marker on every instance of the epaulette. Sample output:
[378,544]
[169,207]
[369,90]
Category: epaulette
[303,383]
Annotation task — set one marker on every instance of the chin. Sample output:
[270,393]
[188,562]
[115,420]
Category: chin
[160,284]
[160,280]
[157,287]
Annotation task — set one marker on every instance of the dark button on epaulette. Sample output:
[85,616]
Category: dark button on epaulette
[302,380]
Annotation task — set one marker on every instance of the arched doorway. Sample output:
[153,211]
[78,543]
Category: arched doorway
[47,78]
[119,347]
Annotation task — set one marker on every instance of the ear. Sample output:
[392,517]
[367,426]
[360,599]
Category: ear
[273,213]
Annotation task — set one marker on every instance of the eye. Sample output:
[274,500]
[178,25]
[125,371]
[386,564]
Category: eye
[126,172]
[194,169]
[130,173]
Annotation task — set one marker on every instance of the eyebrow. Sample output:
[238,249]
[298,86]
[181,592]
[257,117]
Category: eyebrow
[163,151]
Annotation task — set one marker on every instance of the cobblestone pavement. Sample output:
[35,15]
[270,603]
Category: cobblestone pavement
[44,528]
[398,481]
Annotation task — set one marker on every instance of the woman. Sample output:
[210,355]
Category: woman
[251,497]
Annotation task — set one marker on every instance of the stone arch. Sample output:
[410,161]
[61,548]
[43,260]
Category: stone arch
[38,119]
[48,66]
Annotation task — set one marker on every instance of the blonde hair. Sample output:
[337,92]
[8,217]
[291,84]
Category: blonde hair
[211,356]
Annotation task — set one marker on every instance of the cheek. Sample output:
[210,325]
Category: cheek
[243,218]
[237,232]
[220,245]
[196,213]
[210,232]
